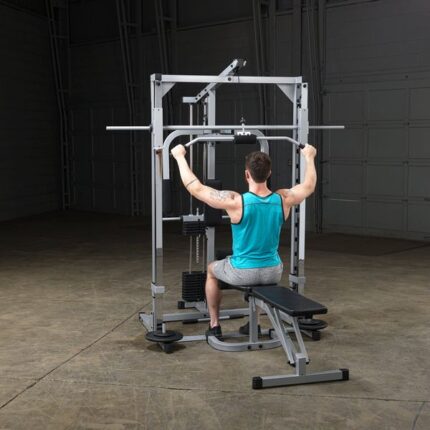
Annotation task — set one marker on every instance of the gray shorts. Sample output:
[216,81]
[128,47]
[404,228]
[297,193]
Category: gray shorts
[224,271]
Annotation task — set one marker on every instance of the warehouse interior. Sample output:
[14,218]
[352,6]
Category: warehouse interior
[76,208]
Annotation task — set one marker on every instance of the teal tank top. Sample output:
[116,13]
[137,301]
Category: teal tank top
[256,235]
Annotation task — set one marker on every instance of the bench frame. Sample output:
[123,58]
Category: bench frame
[296,353]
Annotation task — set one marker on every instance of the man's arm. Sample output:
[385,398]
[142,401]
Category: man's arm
[227,200]
[300,192]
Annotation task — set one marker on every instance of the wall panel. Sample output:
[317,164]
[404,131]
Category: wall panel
[378,85]
[29,171]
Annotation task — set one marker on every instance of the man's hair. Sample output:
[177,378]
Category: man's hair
[259,165]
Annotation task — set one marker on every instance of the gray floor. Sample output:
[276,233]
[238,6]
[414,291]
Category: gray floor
[73,355]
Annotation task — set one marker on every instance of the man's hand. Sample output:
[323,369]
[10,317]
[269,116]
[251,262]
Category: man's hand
[295,195]
[309,152]
[178,151]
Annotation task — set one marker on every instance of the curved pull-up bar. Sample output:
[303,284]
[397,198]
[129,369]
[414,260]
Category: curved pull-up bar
[244,141]
[165,149]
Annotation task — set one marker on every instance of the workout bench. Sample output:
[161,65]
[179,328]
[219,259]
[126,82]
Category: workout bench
[273,299]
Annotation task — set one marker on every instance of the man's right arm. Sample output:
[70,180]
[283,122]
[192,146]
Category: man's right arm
[295,195]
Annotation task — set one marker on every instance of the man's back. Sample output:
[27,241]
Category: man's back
[256,235]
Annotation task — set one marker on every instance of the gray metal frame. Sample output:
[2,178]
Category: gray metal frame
[253,342]
[297,93]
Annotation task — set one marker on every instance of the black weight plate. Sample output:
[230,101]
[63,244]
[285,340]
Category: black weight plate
[312,324]
[166,337]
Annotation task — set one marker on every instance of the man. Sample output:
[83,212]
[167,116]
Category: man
[256,220]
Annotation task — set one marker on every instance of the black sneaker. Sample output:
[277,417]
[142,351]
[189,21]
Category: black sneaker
[245,329]
[214,331]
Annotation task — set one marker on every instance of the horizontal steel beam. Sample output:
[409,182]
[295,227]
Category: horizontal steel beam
[206,79]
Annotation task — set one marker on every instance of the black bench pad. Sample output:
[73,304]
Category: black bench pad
[288,301]
[243,288]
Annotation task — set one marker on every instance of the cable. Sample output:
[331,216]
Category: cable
[242,117]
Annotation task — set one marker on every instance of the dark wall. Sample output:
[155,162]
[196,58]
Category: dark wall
[206,41]
[29,172]
[375,82]
[376,176]
[101,160]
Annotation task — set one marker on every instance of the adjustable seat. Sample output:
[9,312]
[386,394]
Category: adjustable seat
[288,301]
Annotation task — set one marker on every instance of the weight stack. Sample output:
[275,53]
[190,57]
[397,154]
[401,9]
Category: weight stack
[193,228]
[193,286]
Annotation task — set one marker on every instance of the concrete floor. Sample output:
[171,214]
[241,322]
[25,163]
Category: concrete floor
[73,355]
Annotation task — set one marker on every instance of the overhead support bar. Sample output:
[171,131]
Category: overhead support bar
[208,79]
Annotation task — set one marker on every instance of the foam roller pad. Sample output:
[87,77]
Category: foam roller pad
[247,139]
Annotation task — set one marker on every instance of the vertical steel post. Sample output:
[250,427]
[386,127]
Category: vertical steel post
[321,66]
[294,215]
[303,132]
[314,43]
[191,113]
[157,199]
[211,120]
[298,214]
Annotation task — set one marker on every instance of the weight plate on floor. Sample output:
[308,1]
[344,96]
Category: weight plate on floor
[311,324]
[167,337]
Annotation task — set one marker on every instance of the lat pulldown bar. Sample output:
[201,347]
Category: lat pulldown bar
[243,139]
[219,127]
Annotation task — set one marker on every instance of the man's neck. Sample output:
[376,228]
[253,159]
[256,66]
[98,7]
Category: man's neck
[259,189]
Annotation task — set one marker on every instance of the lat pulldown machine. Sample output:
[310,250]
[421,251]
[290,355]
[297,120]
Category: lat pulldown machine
[203,225]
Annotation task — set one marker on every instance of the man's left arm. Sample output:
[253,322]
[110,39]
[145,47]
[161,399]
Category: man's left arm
[227,200]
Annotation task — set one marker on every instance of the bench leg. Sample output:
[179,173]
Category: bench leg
[297,358]
[281,334]
[259,382]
